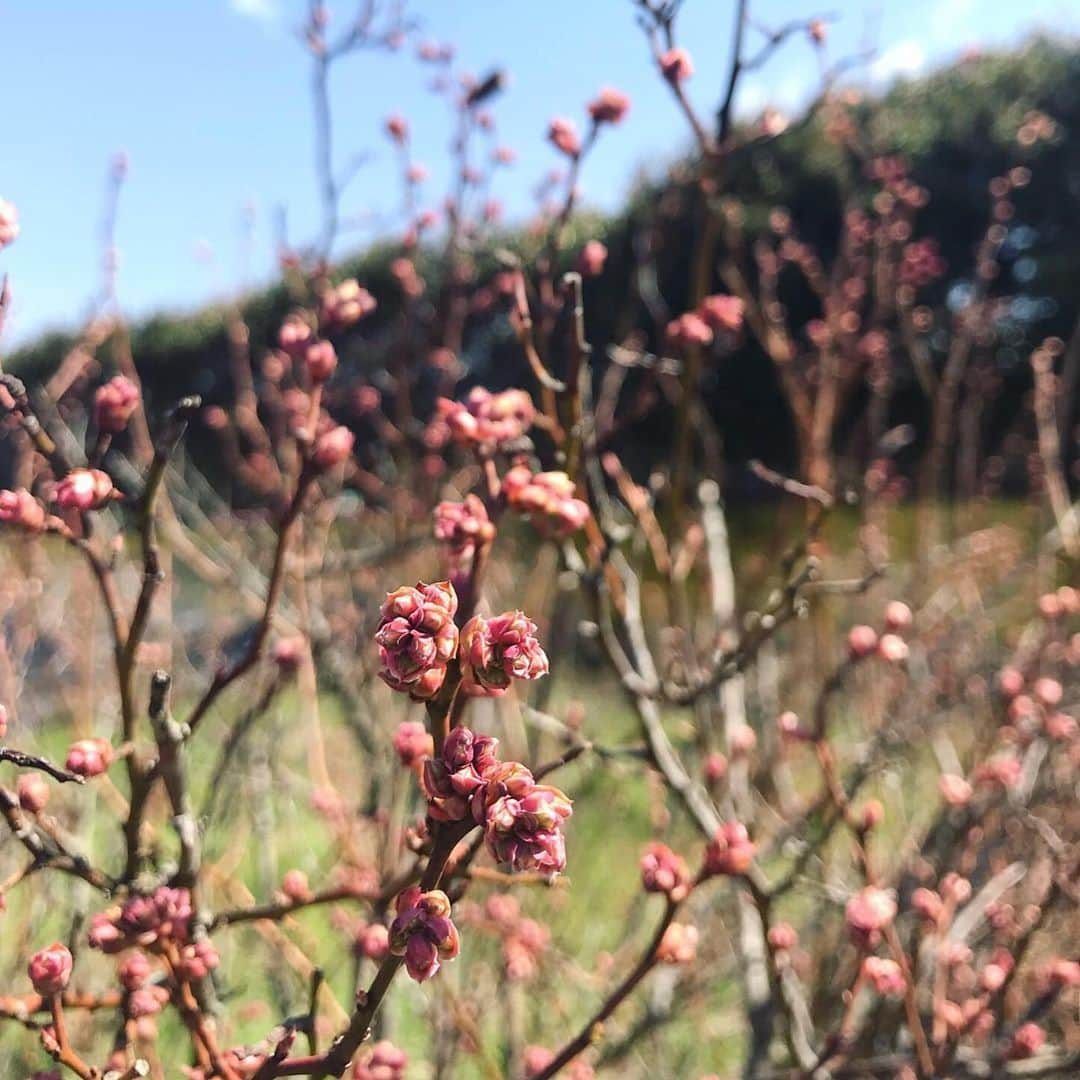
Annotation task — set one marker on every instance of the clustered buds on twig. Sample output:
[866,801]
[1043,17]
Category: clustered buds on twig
[423,932]
[417,637]
[522,819]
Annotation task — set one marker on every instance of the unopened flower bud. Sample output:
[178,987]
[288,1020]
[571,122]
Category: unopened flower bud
[33,792]
[115,403]
[332,448]
[89,757]
[50,970]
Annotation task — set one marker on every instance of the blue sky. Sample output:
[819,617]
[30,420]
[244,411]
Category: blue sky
[209,99]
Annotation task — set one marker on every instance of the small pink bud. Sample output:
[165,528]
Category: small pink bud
[662,871]
[135,970]
[294,335]
[89,757]
[742,739]
[423,932]
[992,978]
[873,813]
[609,106]
[373,941]
[20,508]
[50,970]
[884,976]
[789,724]
[295,887]
[722,313]
[592,258]
[928,904]
[321,360]
[955,790]
[1060,727]
[868,913]
[114,404]
[397,127]
[730,851]
[1011,681]
[956,888]
[893,648]
[782,937]
[862,641]
[9,223]
[678,945]
[345,304]
[716,767]
[1048,691]
[676,65]
[332,448]
[412,742]
[288,652]
[33,792]
[382,1061]
[898,617]
[564,137]
[1027,1041]
[689,330]
[83,490]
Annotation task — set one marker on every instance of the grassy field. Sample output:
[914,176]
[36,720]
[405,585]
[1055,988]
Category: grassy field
[264,824]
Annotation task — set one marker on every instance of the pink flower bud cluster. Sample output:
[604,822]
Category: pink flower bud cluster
[522,819]
[662,871]
[50,969]
[382,1061]
[164,916]
[20,508]
[34,791]
[372,940]
[460,770]
[423,932]
[332,447]
[345,304]
[115,403]
[417,637]
[83,490]
[921,263]
[463,526]
[676,65]
[868,913]
[722,313]
[609,106]
[294,334]
[524,940]
[9,223]
[548,498]
[197,960]
[884,975]
[679,944]
[320,360]
[689,330]
[592,258]
[487,419]
[730,851]
[562,134]
[495,650]
[536,1059]
[412,743]
[89,757]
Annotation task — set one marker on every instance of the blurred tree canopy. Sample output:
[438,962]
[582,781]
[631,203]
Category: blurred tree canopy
[957,127]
